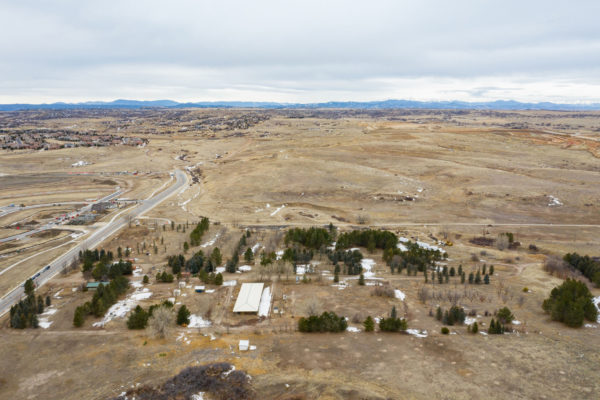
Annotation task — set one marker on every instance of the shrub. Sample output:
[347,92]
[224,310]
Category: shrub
[525,289]
[383,291]
[392,324]
[474,328]
[586,265]
[571,303]
[326,322]
[146,279]
[161,321]
[445,330]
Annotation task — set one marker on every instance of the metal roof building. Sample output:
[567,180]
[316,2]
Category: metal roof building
[248,299]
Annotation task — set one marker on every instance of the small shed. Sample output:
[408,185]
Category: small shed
[94,285]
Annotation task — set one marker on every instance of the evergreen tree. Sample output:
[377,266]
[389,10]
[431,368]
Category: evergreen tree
[474,327]
[462,277]
[249,255]
[138,319]
[336,277]
[119,252]
[361,280]
[446,278]
[460,269]
[78,318]
[216,257]
[491,270]
[369,324]
[29,287]
[471,277]
[505,316]
[452,271]
[393,314]
[145,280]
[438,314]
[186,247]
[40,305]
[478,278]
[218,279]
[48,301]
[183,316]
[486,279]
[483,269]
[440,278]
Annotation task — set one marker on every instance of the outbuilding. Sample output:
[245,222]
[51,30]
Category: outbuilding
[248,300]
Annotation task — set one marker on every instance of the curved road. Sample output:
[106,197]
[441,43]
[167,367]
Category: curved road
[95,238]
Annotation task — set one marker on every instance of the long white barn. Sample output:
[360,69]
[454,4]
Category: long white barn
[248,300]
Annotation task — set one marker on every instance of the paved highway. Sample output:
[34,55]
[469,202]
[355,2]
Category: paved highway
[93,240]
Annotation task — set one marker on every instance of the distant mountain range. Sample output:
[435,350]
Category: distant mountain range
[371,105]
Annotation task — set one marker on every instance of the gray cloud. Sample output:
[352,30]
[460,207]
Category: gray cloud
[299,51]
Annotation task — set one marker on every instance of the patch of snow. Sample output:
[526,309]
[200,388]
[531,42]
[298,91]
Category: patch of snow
[137,284]
[138,272]
[56,295]
[354,249]
[352,329]
[80,163]
[515,322]
[255,247]
[265,303]
[252,347]
[470,320]
[198,322]
[483,333]
[279,254]
[399,294]
[590,326]
[121,308]
[230,283]
[277,210]
[554,202]
[268,205]
[427,246]
[220,269]
[301,269]
[245,268]
[72,290]
[417,333]
[209,291]
[402,247]
[596,301]
[403,239]
[367,266]
[50,311]
[198,396]
[212,241]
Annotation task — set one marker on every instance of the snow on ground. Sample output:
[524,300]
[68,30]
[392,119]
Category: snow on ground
[80,163]
[403,239]
[596,301]
[399,294]
[198,396]
[198,322]
[352,329]
[300,269]
[255,247]
[470,320]
[136,284]
[554,202]
[265,303]
[210,290]
[417,333]
[57,294]
[402,247]
[427,246]
[367,266]
[230,283]
[354,249]
[515,322]
[279,254]
[212,241]
[138,272]
[43,319]
[121,308]
[183,338]
[277,210]
[590,326]
[332,247]
[245,268]
[220,269]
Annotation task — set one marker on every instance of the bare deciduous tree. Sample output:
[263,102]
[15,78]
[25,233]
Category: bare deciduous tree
[161,322]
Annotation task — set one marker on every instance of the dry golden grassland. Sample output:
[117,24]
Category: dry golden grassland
[420,174]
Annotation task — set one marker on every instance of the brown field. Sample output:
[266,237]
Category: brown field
[420,174]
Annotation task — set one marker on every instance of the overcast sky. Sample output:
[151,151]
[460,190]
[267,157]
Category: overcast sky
[299,51]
